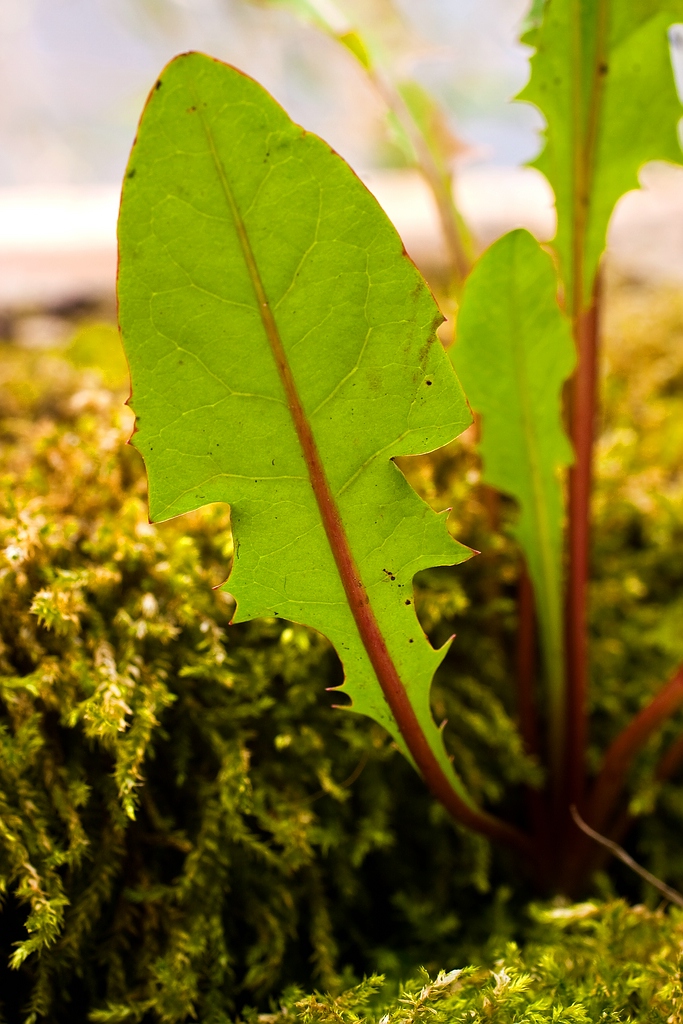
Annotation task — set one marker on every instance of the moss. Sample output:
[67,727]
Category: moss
[588,963]
[186,824]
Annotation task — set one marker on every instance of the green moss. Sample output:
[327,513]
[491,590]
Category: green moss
[613,963]
[187,826]
[186,822]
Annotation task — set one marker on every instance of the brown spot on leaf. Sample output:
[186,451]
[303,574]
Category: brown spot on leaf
[374,379]
[424,351]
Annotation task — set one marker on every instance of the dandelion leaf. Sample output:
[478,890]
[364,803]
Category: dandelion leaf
[602,77]
[282,351]
[513,353]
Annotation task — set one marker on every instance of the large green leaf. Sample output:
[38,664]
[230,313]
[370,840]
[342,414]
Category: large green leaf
[513,353]
[603,80]
[282,350]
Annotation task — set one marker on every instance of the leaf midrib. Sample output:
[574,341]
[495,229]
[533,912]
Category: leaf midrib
[585,143]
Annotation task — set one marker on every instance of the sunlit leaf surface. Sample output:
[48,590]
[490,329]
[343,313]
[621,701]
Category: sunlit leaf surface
[282,352]
[513,353]
[602,78]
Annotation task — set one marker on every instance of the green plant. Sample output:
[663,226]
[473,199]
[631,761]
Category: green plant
[278,271]
[291,404]
[588,59]
[299,441]
[595,143]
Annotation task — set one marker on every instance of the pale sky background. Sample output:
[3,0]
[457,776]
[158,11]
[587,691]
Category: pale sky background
[74,75]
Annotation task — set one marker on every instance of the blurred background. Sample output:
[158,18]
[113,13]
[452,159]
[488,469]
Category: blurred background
[74,75]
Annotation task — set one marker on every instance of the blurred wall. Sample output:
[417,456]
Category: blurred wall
[74,75]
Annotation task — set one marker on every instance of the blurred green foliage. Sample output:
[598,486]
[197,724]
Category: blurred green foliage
[96,345]
[186,824]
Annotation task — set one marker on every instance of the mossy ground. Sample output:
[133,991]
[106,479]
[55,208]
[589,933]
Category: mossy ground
[187,826]
[586,964]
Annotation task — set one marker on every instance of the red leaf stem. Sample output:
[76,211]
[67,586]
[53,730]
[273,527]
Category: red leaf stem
[582,415]
[619,757]
[671,762]
[526,706]
[526,665]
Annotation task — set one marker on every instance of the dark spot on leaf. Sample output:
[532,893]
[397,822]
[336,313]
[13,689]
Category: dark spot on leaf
[603,69]
[131,173]
[411,640]
[429,383]
[158,85]
[374,379]
[408,601]
[424,352]
[191,110]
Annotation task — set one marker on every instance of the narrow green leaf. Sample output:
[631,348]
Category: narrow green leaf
[325,14]
[602,78]
[283,352]
[432,124]
[331,19]
[513,353]
[355,44]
